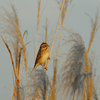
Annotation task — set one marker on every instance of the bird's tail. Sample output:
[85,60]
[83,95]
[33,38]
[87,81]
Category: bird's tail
[35,66]
[32,71]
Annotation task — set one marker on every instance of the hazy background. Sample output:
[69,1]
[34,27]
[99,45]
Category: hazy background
[76,19]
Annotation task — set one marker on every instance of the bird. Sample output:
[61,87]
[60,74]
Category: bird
[42,55]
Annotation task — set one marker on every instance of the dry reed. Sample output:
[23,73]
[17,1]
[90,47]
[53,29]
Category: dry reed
[10,27]
[55,32]
[53,87]
[89,80]
[10,56]
[95,28]
[39,4]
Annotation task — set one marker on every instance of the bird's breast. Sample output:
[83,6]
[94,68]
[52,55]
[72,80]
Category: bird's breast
[44,57]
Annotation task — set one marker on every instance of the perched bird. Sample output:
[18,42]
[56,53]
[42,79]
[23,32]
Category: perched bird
[42,56]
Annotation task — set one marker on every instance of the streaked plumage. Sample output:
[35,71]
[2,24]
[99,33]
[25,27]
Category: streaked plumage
[42,56]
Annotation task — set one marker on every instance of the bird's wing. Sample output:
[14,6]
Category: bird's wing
[36,61]
[38,57]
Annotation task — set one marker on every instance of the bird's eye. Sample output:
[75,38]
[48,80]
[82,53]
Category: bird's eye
[45,45]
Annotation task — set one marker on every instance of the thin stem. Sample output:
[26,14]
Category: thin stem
[39,4]
[10,56]
[55,33]
[18,77]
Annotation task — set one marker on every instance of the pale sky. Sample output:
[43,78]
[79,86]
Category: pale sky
[76,19]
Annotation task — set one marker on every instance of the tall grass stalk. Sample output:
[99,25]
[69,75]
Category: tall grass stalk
[10,56]
[39,4]
[53,87]
[10,27]
[46,28]
[18,76]
[17,82]
[55,33]
[95,28]
[62,21]
[89,80]
[72,77]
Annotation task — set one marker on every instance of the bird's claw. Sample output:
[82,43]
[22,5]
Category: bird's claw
[48,58]
[45,68]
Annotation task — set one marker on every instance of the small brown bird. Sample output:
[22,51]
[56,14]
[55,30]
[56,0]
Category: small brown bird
[42,56]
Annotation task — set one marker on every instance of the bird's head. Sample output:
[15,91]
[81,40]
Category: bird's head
[44,46]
